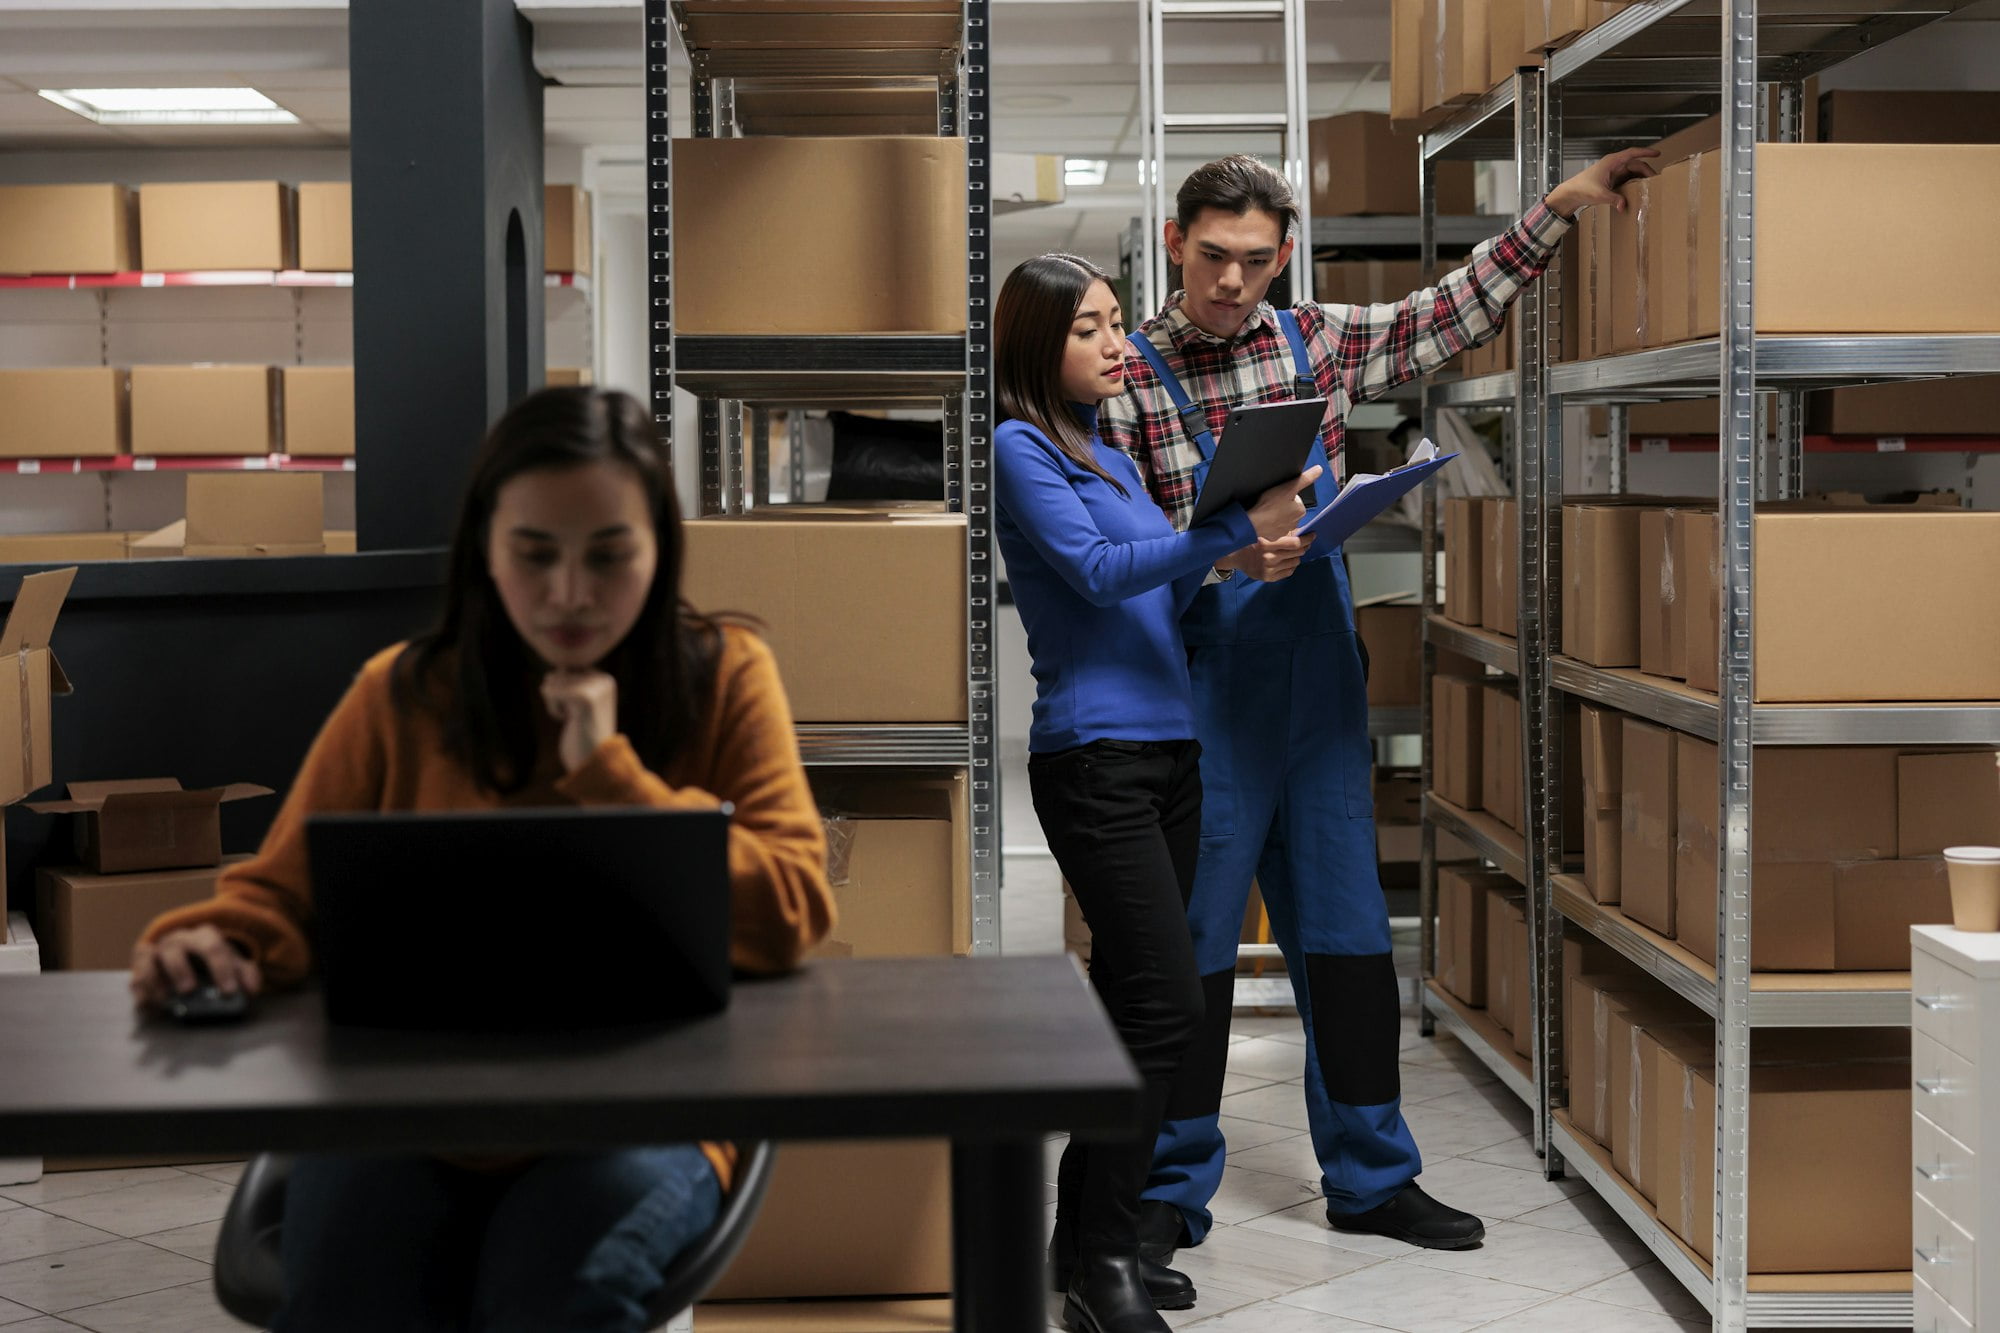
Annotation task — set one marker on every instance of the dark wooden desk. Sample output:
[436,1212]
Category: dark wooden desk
[992,1053]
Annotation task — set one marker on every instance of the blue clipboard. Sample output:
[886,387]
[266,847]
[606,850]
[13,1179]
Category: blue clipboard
[1360,501]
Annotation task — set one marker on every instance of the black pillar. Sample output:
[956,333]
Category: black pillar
[447,164]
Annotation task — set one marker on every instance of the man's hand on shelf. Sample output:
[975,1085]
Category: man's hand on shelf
[1598,183]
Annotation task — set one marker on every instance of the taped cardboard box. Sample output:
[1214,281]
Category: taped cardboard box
[326,226]
[1649,809]
[50,548]
[893,1202]
[1462,51]
[140,824]
[1361,164]
[38,677]
[74,412]
[566,229]
[319,411]
[204,410]
[1600,583]
[1465,560]
[1552,23]
[1587,1046]
[1835,619]
[1366,281]
[1392,632]
[1969,406]
[1669,301]
[1874,905]
[1637,1026]
[1521,997]
[1506,906]
[1593,266]
[68,229]
[1499,603]
[1909,115]
[1829,1165]
[1947,800]
[833,593]
[1462,926]
[1500,754]
[255,513]
[188,226]
[1664,589]
[1457,740]
[1603,799]
[897,858]
[787,235]
[1633,236]
[1407,105]
[90,922]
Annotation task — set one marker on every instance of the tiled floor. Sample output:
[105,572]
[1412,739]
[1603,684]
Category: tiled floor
[128,1251]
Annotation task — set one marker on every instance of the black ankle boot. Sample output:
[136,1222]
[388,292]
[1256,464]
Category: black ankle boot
[1168,1289]
[1107,1295]
[1161,1232]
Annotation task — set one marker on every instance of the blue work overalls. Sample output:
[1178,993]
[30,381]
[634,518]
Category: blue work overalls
[1281,710]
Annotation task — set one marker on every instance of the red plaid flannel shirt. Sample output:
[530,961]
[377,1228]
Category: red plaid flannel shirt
[1357,353]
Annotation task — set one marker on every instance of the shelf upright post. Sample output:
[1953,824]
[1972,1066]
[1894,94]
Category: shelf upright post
[1618,427]
[760,457]
[1298,154]
[982,696]
[1150,286]
[1791,402]
[795,441]
[660,28]
[1427,414]
[715,474]
[1737,461]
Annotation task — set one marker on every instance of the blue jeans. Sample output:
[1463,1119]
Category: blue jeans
[575,1242]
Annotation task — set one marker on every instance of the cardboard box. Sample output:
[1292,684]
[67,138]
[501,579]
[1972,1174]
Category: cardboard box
[49,548]
[340,541]
[1667,586]
[1909,115]
[141,824]
[1465,560]
[787,235]
[1366,281]
[1362,165]
[166,543]
[204,410]
[1521,1018]
[1593,262]
[1829,1165]
[1600,552]
[1407,103]
[898,849]
[326,227]
[1500,755]
[909,1315]
[1638,1028]
[568,377]
[1463,47]
[1458,763]
[255,513]
[1587,1044]
[24,702]
[1648,826]
[1835,616]
[1939,290]
[1947,800]
[566,227]
[67,229]
[1669,309]
[1545,25]
[831,591]
[1393,636]
[1462,929]
[1665,1050]
[893,1200]
[90,922]
[1874,905]
[67,413]
[1506,907]
[190,226]
[1499,604]
[1632,240]
[319,411]
[1603,771]
[1921,407]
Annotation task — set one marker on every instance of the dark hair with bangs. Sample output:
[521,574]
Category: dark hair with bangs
[1031,324]
[1236,185]
[476,674]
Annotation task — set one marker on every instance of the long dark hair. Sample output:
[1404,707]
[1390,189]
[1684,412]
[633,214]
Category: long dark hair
[1031,332]
[474,672]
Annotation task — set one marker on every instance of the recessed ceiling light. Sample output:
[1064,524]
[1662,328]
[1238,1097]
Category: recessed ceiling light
[1085,170]
[171,106]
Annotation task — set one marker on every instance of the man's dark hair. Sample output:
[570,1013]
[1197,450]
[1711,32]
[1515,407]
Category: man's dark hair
[1238,184]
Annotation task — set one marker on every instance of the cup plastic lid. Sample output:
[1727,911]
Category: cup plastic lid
[1972,853]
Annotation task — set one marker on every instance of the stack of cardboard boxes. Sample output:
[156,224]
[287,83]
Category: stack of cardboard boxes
[1444,53]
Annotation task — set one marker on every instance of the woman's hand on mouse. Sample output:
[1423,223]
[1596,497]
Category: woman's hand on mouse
[586,704]
[1278,510]
[162,969]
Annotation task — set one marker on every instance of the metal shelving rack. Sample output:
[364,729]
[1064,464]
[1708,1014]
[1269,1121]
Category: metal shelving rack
[1649,68]
[863,49]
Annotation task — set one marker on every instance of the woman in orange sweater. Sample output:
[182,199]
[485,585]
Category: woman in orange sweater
[566,670]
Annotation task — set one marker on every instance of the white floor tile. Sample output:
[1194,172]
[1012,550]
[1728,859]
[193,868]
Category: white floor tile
[1424,1083]
[1445,1134]
[1252,1194]
[1211,1298]
[1292,1157]
[1392,1296]
[158,1205]
[1556,1261]
[75,1184]
[1307,1222]
[1492,1097]
[1518,1153]
[1270,1317]
[1266,1058]
[75,1278]
[229,1171]
[12,1313]
[198,1241]
[1232,1084]
[1273,1104]
[1492,1191]
[1584,1213]
[188,1309]
[1650,1288]
[48,1323]
[1566,1314]
[1264,1265]
[27,1232]
[1239,1134]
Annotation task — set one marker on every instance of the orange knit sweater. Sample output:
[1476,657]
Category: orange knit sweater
[371,756]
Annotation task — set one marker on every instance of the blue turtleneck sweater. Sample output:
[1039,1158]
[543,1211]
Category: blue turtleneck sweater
[1100,580]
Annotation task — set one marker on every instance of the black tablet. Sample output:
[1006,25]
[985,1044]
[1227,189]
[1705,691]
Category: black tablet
[1260,447]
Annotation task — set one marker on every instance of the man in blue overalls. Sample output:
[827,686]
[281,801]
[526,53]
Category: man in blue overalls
[1280,698]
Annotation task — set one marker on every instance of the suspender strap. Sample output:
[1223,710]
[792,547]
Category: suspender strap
[1303,380]
[1193,420]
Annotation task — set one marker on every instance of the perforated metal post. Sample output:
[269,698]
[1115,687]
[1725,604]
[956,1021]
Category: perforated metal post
[660,27]
[760,457]
[1427,414]
[713,469]
[1618,428]
[982,687]
[1737,460]
[1152,156]
[1298,157]
[795,444]
[1791,426]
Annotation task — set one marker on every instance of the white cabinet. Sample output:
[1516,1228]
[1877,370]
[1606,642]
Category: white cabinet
[1955,1067]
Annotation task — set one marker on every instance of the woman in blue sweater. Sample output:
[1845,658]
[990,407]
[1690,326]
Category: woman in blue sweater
[1100,578]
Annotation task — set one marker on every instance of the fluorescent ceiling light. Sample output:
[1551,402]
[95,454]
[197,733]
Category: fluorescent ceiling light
[1085,170]
[171,106]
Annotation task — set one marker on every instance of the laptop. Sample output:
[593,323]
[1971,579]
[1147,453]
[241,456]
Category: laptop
[521,920]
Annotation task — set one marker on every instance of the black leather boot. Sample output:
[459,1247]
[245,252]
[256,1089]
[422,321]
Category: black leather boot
[1415,1217]
[1161,1232]
[1107,1295]
[1169,1290]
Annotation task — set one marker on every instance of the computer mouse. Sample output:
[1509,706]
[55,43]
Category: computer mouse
[206,1003]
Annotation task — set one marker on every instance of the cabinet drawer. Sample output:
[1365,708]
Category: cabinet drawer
[1945,1172]
[1934,1313]
[1944,1004]
[1946,1090]
[1945,1257]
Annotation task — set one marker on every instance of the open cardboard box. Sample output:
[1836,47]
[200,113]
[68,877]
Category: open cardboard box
[24,700]
[255,513]
[147,823]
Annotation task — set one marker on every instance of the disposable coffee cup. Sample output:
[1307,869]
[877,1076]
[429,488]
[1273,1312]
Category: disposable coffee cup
[1975,887]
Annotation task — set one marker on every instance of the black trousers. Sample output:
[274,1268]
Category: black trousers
[1123,819]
